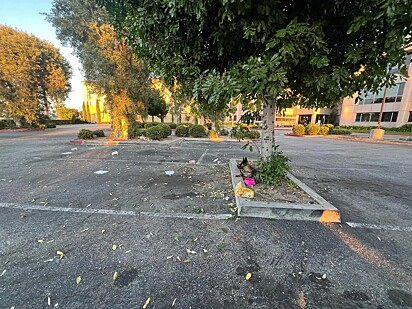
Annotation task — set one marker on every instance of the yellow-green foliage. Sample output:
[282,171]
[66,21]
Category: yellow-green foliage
[298,129]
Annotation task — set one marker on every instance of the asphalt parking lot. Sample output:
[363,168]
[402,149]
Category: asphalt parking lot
[167,249]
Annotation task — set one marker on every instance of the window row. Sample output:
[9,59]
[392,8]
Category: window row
[393,94]
[374,117]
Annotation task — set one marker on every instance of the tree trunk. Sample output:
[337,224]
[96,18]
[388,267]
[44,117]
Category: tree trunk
[162,120]
[152,118]
[268,130]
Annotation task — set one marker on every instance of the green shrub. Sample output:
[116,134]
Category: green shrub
[324,130]
[312,129]
[182,130]
[404,128]
[148,125]
[172,125]
[274,169]
[223,132]
[85,134]
[337,131]
[7,124]
[298,129]
[138,125]
[155,133]
[212,134]
[165,129]
[253,134]
[99,133]
[197,130]
[328,125]
[239,132]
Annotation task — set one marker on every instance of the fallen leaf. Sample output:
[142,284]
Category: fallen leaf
[324,276]
[146,303]
[61,254]
[174,302]
[3,272]
[48,300]
[169,257]
[187,261]
[190,251]
[204,250]
[40,241]
[114,247]
[78,279]
[103,231]
[178,258]
[248,276]
[115,275]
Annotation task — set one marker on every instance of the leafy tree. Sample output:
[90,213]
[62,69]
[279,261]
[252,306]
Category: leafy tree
[33,74]
[274,53]
[107,62]
[155,105]
[66,113]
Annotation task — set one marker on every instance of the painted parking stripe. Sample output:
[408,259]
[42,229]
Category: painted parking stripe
[202,156]
[380,227]
[116,212]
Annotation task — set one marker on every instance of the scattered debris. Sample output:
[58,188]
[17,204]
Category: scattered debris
[174,302]
[190,251]
[248,276]
[2,273]
[204,250]
[103,231]
[192,161]
[40,241]
[169,173]
[78,279]
[115,275]
[73,149]
[146,303]
[187,261]
[235,238]
[60,254]
[48,301]
[114,247]
[67,153]
[101,172]
[215,160]
[115,153]
[84,230]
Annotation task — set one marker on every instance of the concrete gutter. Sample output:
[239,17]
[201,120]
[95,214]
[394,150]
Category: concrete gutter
[322,211]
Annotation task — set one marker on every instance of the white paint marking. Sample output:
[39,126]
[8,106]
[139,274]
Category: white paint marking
[130,161]
[202,156]
[117,212]
[380,227]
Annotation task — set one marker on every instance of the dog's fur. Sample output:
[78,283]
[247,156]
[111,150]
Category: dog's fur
[246,169]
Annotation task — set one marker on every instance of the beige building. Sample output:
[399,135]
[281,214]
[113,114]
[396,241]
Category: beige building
[95,103]
[397,110]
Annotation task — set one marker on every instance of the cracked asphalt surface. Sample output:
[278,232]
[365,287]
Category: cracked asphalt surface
[197,263]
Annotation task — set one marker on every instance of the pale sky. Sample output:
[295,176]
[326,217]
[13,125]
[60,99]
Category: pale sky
[25,15]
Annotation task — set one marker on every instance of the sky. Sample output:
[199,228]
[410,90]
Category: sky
[25,15]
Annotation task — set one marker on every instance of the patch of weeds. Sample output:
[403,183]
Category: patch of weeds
[221,246]
[199,210]
[177,238]
[225,230]
[291,183]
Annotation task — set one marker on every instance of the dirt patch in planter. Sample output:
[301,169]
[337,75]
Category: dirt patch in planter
[286,192]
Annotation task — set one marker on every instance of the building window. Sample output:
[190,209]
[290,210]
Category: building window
[374,117]
[393,94]
[410,117]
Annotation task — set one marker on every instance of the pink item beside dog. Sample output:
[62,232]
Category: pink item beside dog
[250,182]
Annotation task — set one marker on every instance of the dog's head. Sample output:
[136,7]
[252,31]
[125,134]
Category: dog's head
[242,164]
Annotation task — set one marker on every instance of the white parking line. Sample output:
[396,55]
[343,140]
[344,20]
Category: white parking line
[202,156]
[380,227]
[116,212]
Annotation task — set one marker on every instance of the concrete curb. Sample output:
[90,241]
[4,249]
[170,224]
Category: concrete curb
[367,140]
[323,211]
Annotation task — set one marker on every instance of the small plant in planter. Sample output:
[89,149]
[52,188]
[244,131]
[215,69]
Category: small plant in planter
[312,129]
[274,170]
[85,134]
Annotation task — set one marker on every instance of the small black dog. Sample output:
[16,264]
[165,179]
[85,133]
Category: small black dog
[246,169]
